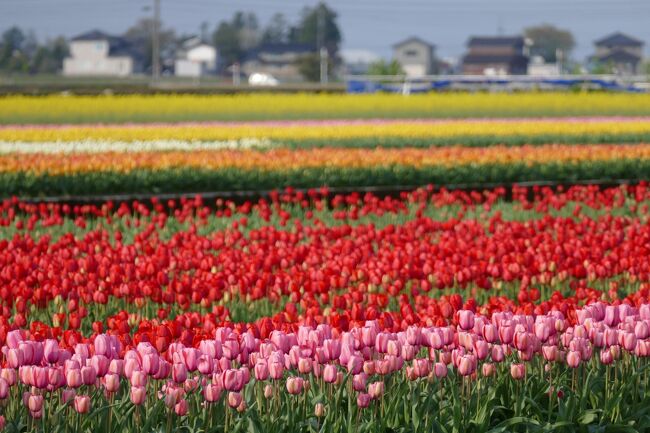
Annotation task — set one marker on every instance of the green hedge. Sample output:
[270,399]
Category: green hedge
[197,180]
[467,141]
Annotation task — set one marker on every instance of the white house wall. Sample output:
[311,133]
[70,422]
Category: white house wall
[108,66]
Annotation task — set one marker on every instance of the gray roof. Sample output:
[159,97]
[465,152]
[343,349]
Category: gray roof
[292,48]
[492,41]
[619,39]
[490,58]
[93,35]
[413,39]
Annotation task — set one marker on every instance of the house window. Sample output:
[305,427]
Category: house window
[411,53]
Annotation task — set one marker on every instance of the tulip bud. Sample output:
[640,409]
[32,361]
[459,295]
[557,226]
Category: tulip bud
[181,408]
[363,400]
[35,402]
[319,410]
[268,391]
[138,395]
[518,371]
[112,382]
[234,399]
[82,404]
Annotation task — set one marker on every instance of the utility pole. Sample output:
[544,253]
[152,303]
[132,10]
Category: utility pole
[320,36]
[155,43]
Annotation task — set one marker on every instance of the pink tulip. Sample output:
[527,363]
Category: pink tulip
[15,358]
[181,408]
[55,377]
[440,370]
[465,319]
[102,345]
[488,369]
[88,375]
[573,359]
[275,369]
[100,363]
[51,351]
[319,410]
[150,364]
[40,377]
[138,378]
[363,400]
[518,371]
[355,364]
[67,395]
[4,389]
[2,422]
[629,341]
[233,380]
[190,358]
[116,366]
[376,389]
[606,357]
[466,365]
[9,374]
[295,385]
[13,338]
[234,399]
[35,402]
[179,372]
[268,391]
[205,364]
[497,354]
[138,395]
[261,370]
[421,367]
[212,393]
[359,381]
[329,373]
[490,333]
[481,349]
[82,404]
[304,365]
[112,382]
[550,353]
[73,378]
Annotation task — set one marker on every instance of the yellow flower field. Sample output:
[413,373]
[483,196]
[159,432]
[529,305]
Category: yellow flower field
[259,106]
[324,130]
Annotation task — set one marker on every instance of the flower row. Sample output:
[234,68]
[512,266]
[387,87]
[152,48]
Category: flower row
[431,132]
[231,170]
[347,373]
[148,108]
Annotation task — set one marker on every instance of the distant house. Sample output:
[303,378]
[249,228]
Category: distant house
[623,52]
[537,67]
[97,53]
[280,61]
[195,58]
[416,56]
[496,55]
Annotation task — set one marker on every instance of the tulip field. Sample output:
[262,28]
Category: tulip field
[518,303]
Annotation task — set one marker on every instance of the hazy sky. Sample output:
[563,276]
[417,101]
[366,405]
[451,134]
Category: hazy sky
[366,24]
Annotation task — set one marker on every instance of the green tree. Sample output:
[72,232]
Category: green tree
[11,49]
[548,39]
[276,32]
[232,38]
[309,29]
[141,35]
[382,67]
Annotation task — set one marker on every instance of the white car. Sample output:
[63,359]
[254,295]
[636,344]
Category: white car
[260,79]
